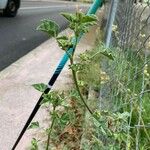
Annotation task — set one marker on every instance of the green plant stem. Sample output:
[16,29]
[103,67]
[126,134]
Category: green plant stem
[77,87]
[75,77]
[79,92]
[51,127]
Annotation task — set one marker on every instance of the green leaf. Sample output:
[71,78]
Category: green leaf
[34,125]
[79,22]
[103,131]
[53,97]
[89,18]
[69,17]
[65,104]
[62,38]
[64,118]
[34,144]
[46,98]
[64,42]
[40,87]
[50,27]
[108,55]
[96,122]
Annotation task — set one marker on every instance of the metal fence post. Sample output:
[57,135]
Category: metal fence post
[112,14]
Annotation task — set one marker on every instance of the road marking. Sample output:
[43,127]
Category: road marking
[44,7]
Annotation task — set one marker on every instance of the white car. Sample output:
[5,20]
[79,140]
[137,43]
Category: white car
[9,8]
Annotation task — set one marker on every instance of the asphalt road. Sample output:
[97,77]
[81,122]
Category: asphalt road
[18,35]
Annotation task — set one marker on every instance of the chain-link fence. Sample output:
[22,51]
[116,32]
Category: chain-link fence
[128,87]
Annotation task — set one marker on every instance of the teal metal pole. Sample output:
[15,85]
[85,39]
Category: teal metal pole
[94,7]
[96,4]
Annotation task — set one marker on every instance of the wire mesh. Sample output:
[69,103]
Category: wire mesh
[128,88]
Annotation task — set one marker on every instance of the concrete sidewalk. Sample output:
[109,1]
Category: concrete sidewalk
[18,97]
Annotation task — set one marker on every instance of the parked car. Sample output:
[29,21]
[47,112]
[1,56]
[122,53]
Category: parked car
[9,8]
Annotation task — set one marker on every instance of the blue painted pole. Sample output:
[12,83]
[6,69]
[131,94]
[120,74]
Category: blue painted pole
[92,10]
